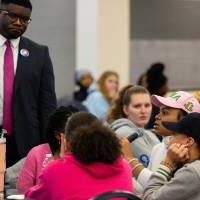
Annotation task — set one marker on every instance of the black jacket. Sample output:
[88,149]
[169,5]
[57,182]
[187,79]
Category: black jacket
[34,95]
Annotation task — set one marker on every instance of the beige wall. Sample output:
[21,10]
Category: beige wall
[113,37]
[102,37]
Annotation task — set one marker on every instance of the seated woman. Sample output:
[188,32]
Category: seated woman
[178,176]
[129,114]
[99,101]
[33,163]
[92,164]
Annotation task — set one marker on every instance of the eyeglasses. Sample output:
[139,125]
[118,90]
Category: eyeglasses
[14,17]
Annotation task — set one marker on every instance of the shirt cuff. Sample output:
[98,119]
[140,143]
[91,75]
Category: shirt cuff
[144,176]
[164,171]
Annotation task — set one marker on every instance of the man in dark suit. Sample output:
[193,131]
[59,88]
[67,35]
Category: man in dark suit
[27,90]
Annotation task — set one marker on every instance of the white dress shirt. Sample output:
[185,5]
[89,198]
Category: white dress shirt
[157,156]
[15,49]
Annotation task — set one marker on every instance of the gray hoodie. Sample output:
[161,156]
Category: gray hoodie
[183,186]
[142,146]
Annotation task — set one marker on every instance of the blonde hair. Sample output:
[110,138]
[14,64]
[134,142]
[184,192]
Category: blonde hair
[101,83]
[197,95]
[124,98]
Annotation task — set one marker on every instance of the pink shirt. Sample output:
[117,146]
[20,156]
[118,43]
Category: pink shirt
[68,179]
[32,167]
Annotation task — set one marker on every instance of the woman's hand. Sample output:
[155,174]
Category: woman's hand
[176,154]
[136,166]
[126,149]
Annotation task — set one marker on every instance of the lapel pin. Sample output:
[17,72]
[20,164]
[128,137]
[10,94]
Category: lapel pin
[24,52]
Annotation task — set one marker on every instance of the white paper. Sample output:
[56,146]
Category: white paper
[16,196]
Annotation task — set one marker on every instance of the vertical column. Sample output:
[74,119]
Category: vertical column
[102,36]
[113,37]
[86,35]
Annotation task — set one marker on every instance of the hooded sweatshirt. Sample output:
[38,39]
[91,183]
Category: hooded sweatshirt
[68,179]
[142,146]
[184,185]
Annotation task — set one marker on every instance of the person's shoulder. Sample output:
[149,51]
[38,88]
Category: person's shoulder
[151,133]
[124,162]
[61,163]
[96,94]
[151,137]
[159,146]
[190,171]
[95,97]
[32,43]
[121,122]
[194,166]
[42,148]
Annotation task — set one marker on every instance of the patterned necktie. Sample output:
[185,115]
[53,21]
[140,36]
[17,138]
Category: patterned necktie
[8,88]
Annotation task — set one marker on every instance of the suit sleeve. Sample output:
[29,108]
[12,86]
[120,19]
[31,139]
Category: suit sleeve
[47,97]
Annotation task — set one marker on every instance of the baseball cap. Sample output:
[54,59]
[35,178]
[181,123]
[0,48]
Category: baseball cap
[180,99]
[189,125]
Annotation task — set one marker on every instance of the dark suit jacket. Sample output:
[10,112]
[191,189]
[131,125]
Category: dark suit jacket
[34,95]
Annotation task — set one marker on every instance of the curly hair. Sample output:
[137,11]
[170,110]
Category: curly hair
[101,83]
[90,141]
[78,119]
[124,98]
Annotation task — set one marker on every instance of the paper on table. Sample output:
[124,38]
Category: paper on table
[16,196]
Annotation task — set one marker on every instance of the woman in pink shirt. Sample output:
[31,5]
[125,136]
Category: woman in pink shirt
[33,164]
[93,164]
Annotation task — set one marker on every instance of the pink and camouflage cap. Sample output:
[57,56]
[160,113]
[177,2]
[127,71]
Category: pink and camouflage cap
[180,99]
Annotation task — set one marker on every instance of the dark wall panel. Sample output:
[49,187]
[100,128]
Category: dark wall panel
[165,19]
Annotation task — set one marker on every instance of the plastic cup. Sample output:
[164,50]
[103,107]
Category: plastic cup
[2,162]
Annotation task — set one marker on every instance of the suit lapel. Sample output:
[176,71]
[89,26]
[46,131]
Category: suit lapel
[21,63]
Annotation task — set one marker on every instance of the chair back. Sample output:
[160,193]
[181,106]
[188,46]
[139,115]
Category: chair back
[115,193]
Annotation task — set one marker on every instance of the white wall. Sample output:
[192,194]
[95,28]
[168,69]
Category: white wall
[86,35]
[103,36]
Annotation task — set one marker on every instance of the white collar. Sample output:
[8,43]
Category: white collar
[14,42]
